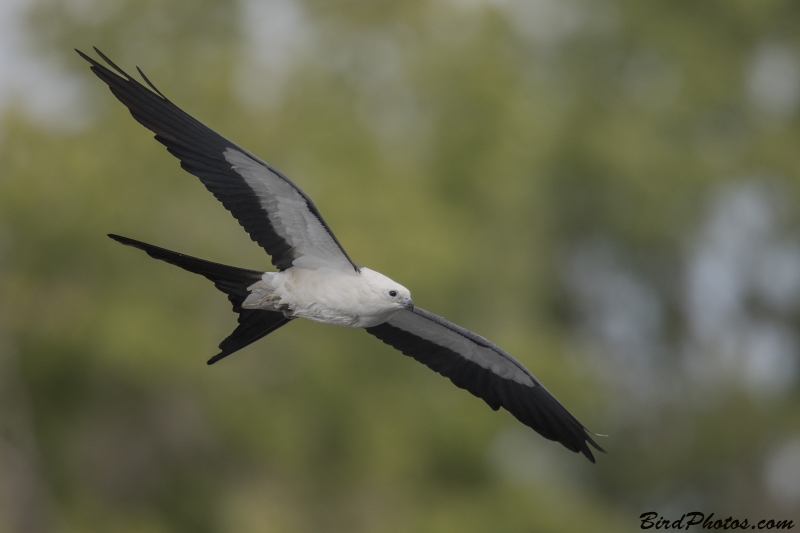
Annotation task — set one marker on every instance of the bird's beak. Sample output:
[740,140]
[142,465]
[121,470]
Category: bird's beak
[407,303]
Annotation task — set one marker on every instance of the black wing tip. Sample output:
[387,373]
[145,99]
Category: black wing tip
[595,445]
[84,56]
[584,447]
[96,65]
[533,406]
[577,439]
[105,58]
[112,64]
[150,84]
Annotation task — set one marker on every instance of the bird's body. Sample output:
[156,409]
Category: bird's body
[316,279]
[353,299]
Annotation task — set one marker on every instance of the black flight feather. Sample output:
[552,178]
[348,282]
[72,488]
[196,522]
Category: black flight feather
[532,405]
[201,152]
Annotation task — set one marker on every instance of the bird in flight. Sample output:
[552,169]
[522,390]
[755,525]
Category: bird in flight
[315,277]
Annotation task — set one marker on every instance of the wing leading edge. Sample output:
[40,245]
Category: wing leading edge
[475,364]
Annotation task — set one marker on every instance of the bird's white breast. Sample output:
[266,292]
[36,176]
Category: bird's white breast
[331,296]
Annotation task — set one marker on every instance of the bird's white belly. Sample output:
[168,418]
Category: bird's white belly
[327,296]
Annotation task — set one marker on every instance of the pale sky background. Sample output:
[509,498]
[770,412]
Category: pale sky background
[45,90]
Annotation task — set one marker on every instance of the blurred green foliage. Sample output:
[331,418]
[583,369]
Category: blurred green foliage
[465,149]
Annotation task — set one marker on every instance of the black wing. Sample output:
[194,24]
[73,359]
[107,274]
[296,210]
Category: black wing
[273,210]
[475,364]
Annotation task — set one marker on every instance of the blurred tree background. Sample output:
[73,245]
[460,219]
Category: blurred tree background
[608,189]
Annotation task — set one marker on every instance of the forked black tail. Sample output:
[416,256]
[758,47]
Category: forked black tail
[233,281]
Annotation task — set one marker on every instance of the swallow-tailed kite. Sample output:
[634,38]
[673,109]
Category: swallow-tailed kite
[316,279]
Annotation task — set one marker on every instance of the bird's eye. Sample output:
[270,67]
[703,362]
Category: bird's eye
[392,293]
